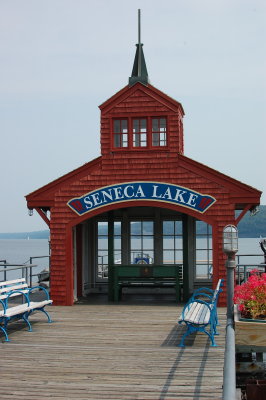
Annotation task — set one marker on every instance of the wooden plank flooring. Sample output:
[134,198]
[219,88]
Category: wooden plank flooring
[107,351]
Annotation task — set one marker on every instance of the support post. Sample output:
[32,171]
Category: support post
[111,256]
[230,284]
[189,250]
[230,247]
[229,387]
[229,379]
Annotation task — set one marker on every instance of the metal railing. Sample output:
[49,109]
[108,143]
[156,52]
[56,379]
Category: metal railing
[24,268]
[37,257]
[243,269]
[4,262]
[27,271]
[229,380]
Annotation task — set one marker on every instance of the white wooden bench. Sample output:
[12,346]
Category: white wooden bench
[11,308]
[200,313]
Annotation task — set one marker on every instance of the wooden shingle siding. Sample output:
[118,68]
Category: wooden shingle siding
[127,165]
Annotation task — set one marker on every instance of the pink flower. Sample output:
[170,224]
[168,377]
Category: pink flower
[251,295]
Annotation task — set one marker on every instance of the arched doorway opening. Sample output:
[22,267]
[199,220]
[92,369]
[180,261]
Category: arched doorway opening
[142,235]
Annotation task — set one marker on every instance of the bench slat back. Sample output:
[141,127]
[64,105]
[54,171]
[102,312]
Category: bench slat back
[16,284]
[196,313]
[14,281]
[200,311]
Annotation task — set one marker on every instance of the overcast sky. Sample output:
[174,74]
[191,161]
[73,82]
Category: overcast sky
[60,59]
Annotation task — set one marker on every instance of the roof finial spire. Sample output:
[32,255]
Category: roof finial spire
[139,42]
[139,71]
[139,25]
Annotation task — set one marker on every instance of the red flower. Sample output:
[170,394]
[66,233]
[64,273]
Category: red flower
[251,296]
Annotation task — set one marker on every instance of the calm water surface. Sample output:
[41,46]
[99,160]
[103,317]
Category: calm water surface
[19,251]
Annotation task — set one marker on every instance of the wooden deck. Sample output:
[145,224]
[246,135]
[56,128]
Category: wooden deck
[106,351]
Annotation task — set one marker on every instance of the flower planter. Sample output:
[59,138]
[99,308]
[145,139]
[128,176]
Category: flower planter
[249,332]
[256,389]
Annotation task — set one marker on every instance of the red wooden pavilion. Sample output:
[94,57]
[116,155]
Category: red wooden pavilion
[166,207]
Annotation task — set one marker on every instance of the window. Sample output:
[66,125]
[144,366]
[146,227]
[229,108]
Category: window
[159,131]
[102,247]
[102,250]
[139,132]
[172,242]
[203,250]
[120,130]
[142,242]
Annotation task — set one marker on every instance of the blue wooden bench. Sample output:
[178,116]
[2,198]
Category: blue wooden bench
[13,309]
[200,313]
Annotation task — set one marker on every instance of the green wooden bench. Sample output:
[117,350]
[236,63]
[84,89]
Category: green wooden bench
[145,275]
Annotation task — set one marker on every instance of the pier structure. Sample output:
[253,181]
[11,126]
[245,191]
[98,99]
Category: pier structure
[141,201]
[97,350]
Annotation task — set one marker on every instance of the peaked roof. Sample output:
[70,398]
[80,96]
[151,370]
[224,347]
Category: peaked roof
[148,89]
[240,193]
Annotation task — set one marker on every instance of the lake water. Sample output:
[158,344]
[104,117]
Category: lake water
[19,251]
[250,246]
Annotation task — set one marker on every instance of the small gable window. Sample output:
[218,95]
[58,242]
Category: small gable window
[159,131]
[139,132]
[120,130]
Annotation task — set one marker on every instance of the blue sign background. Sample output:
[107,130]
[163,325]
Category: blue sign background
[135,191]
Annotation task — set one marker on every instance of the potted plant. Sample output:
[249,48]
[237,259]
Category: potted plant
[250,310]
[251,296]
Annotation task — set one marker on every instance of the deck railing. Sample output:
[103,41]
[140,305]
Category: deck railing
[26,271]
[243,268]
[34,258]
[23,268]
[229,378]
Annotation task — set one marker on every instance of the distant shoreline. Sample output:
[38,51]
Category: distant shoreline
[26,235]
[248,227]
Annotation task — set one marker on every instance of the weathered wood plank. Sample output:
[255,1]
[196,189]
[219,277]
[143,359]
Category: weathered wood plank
[249,333]
[110,352]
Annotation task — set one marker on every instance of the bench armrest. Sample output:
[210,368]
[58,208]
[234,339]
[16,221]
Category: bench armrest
[42,288]
[203,294]
[9,294]
[3,304]
[203,289]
